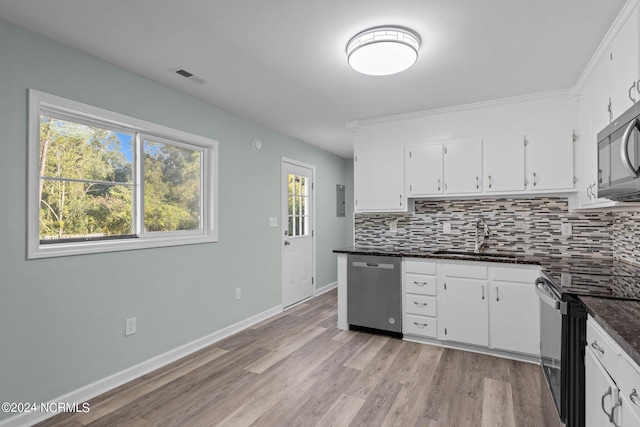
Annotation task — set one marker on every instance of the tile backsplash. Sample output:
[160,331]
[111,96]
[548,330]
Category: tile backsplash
[526,226]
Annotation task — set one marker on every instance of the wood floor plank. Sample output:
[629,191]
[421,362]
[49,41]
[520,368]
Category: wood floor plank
[375,370]
[306,372]
[412,399]
[377,406]
[268,360]
[497,404]
[146,385]
[365,355]
[342,412]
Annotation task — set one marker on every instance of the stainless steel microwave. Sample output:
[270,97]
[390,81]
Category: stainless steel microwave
[619,158]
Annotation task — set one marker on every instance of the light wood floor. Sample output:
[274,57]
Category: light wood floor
[297,369]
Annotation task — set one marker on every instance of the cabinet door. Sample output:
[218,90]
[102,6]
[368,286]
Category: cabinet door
[463,167]
[463,311]
[504,164]
[379,180]
[550,160]
[624,66]
[514,317]
[424,170]
[600,393]
[629,417]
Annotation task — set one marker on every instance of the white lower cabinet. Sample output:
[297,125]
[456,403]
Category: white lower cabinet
[464,308]
[514,310]
[612,382]
[472,303]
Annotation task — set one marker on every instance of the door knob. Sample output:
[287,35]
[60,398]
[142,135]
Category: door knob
[287,243]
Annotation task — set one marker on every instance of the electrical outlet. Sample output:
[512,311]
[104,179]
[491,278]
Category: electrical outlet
[393,226]
[566,229]
[446,228]
[273,221]
[130,327]
[238,293]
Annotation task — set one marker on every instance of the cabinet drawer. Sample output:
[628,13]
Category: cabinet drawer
[422,326]
[629,383]
[416,304]
[470,270]
[602,347]
[512,274]
[420,267]
[420,284]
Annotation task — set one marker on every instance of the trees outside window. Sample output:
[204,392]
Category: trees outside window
[100,181]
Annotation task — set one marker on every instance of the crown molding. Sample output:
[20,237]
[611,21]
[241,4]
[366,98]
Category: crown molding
[355,124]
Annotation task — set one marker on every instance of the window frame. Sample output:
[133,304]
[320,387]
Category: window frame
[40,102]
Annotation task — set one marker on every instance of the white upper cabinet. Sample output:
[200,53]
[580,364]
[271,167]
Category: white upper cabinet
[550,161]
[606,92]
[424,170]
[463,167]
[594,116]
[624,60]
[379,180]
[504,164]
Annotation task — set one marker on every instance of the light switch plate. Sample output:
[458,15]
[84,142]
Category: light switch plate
[566,229]
[393,226]
[273,221]
[446,228]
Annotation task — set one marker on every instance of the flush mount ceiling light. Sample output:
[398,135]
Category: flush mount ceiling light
[382,51]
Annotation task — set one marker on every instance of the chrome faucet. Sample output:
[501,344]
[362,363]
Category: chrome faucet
[479,244]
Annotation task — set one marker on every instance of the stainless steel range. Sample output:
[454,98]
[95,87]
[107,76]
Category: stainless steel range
[563,322]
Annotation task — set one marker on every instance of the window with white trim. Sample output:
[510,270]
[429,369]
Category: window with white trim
[100,181]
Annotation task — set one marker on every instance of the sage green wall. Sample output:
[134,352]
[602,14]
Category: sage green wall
[62,319]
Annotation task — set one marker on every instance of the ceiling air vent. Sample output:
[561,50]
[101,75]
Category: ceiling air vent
[189,75]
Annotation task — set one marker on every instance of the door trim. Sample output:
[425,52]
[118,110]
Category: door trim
[286,160]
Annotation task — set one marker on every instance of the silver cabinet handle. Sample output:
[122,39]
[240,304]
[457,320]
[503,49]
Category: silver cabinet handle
[477,183]
[490,182]
[596,346]
[287,243]
[420,283]
[604,396]
[624,148]
[534,179]
[438,185]
[589,188]
[445,185]
[497,294]
[420,304]
[633,86]
[482,292]
[401,200]
[420,325]
[613,411]
[634,397]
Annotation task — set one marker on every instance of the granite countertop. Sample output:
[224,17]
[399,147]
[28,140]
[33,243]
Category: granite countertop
[544,260]
[620,319]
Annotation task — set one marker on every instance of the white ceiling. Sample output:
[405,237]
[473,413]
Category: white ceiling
[282,63]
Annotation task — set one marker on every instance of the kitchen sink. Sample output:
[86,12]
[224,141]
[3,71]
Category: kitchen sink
[463,254]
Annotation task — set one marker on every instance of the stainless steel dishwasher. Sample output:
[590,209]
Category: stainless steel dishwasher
[374,291]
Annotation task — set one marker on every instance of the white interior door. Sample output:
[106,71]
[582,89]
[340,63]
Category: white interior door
[297,232]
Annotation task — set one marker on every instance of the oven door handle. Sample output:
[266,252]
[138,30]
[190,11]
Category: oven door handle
[544,296]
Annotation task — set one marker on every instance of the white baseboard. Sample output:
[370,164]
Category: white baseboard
[325,289]
[103,385]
